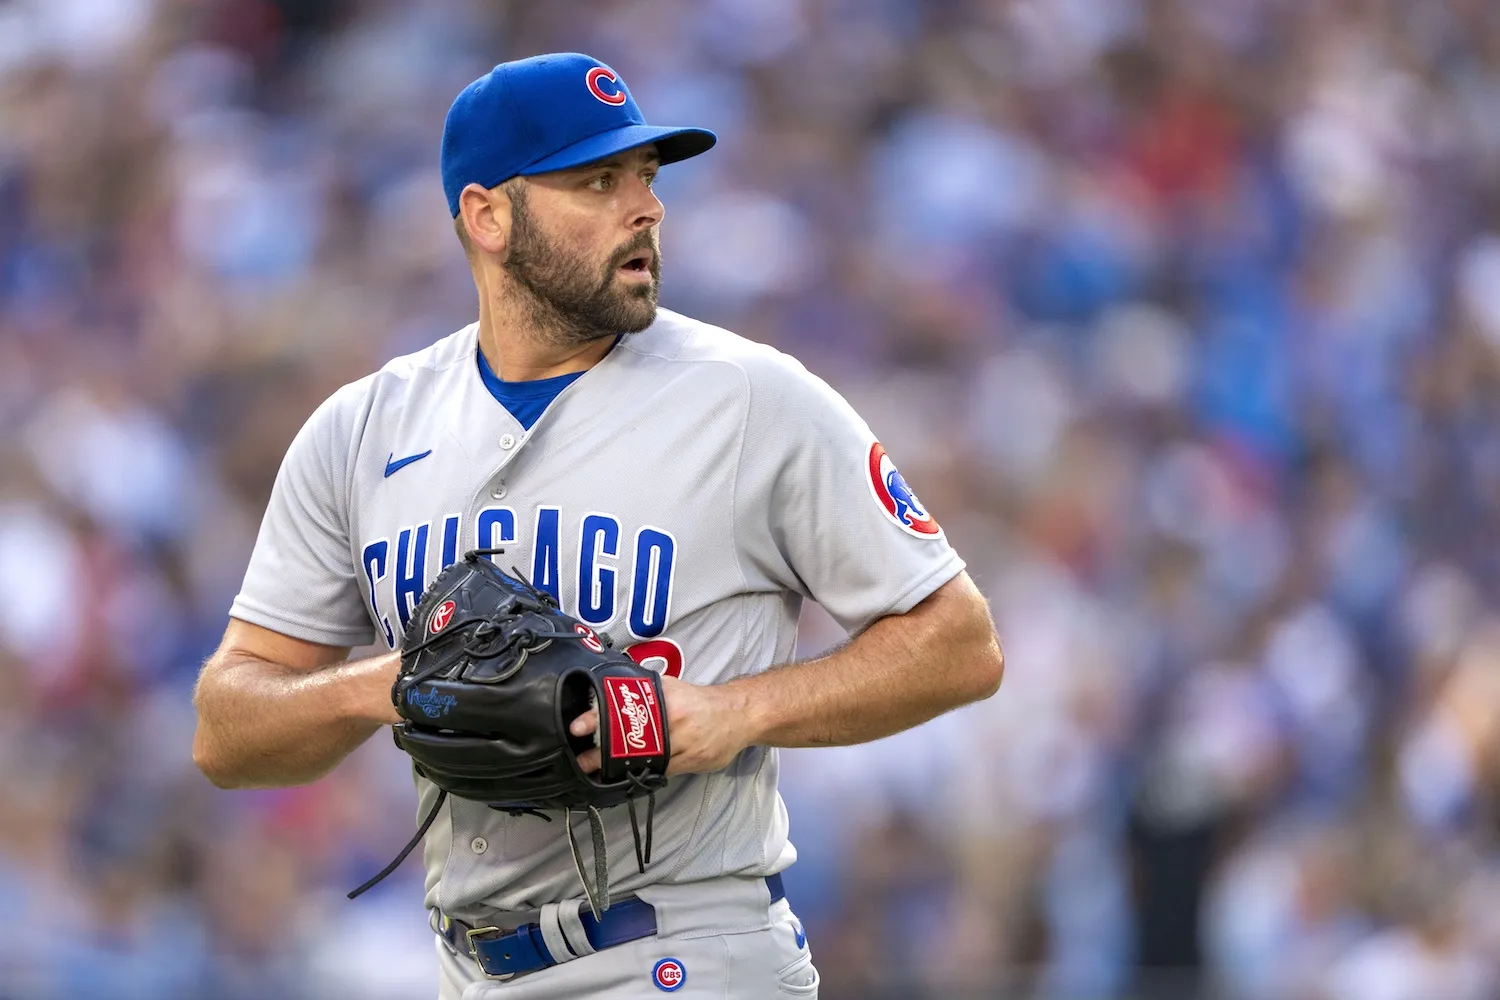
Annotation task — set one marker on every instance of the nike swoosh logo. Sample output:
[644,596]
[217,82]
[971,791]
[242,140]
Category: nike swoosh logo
[394,465]
[801,938]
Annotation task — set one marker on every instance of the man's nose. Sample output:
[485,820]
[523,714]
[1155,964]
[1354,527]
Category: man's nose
[646,209]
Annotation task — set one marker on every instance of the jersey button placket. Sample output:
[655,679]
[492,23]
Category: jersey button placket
[507,443]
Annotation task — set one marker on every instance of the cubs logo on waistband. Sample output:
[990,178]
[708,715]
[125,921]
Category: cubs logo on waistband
[669,975]
[896,498]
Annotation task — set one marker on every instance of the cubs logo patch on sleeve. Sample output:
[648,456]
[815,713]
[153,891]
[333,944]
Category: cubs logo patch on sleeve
[635,725]
[896,498]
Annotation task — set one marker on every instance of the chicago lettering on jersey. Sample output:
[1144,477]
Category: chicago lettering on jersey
[398,567]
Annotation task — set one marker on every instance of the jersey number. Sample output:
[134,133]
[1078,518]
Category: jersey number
[662,655]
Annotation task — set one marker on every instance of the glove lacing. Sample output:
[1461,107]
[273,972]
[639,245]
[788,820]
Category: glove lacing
[410,844]
[488,641]
[597,892]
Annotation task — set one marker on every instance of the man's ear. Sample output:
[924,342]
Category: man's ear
[485,213]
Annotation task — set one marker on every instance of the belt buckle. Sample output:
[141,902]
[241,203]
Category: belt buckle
[479,933]
[475,932]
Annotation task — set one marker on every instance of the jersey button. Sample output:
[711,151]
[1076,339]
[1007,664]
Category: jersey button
[508,442]
[479,845]
[499,493]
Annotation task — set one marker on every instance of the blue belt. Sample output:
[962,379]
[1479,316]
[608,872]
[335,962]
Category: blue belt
[502,954]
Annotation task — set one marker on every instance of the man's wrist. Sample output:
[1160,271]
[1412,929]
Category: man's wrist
[746,712]
[370,689]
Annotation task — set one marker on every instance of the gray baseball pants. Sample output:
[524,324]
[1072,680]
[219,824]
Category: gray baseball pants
[715,939]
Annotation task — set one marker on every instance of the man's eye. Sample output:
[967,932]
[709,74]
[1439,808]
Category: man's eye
[650,179]
[602,183]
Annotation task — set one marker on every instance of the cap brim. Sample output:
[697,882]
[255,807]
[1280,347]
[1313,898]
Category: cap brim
[672,143]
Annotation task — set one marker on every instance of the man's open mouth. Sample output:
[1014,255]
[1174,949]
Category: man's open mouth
[640,261]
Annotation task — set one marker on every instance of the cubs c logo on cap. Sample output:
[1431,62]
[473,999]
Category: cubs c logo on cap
[669,975]
[896,498]
[603,84]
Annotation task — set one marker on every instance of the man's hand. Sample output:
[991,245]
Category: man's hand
[898,673]
[708,727]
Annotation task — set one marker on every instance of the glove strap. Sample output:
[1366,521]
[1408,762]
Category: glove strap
[598,891]
[413,842]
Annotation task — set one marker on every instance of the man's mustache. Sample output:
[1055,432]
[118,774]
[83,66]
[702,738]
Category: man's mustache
[645,241]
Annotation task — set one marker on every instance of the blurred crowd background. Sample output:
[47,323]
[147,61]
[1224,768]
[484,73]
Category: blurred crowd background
[1183,316]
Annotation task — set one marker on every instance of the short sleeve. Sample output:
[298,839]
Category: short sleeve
[821,508]
[302,579]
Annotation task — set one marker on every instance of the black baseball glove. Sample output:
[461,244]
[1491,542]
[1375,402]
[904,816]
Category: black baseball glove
[492,674]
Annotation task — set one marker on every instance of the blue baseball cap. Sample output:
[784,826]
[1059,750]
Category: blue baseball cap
[549,112]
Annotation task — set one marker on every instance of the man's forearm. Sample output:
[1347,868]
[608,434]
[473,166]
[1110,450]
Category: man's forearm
[264,725]
[900,672]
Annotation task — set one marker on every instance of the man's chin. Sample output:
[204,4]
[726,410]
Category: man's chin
[641,318]
[639,309]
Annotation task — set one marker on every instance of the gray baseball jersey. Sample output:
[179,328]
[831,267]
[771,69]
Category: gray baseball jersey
[683,496]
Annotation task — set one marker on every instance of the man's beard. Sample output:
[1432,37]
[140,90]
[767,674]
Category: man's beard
[570,302]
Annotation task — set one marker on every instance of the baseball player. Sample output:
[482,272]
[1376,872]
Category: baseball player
[677,488]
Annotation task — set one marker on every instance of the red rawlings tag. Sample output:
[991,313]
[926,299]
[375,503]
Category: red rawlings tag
[635,724]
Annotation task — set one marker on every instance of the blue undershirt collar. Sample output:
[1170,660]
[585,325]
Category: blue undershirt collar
[526,401]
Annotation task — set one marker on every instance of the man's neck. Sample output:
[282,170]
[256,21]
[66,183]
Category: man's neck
[518,352]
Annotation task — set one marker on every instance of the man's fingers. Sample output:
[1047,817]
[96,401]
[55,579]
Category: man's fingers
[585,723]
